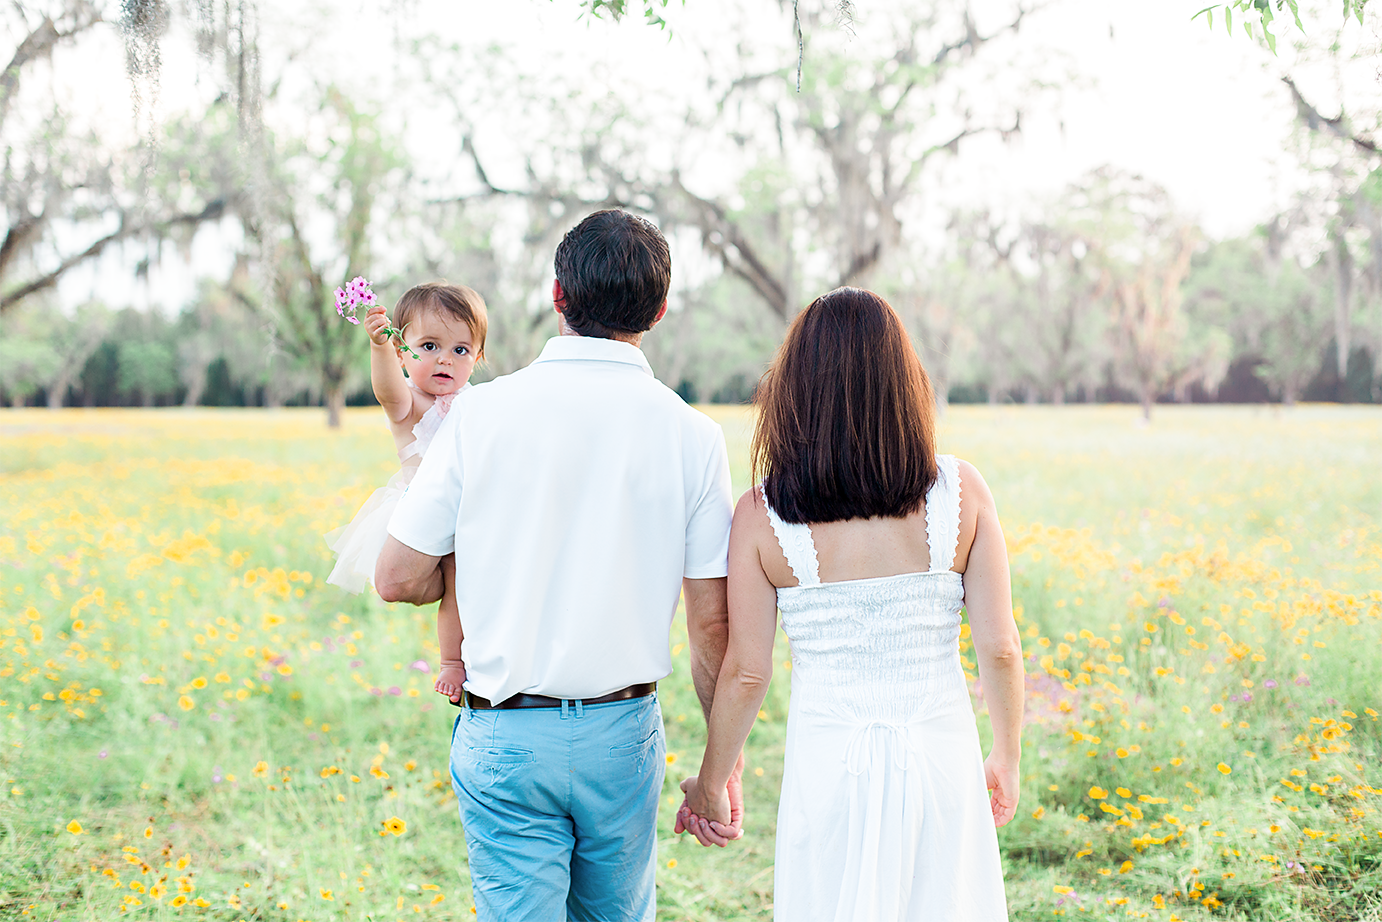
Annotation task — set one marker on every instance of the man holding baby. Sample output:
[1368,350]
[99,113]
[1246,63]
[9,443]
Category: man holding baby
[582,498]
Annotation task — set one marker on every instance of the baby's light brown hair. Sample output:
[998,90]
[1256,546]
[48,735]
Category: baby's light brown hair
[455,301]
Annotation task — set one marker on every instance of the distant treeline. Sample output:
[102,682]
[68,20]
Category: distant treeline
[149,360]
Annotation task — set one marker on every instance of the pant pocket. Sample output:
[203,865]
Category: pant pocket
[636,750]
[498,756]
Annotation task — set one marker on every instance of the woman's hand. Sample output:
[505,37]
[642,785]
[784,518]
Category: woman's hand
[376,322]
[1002,782]
[707,817]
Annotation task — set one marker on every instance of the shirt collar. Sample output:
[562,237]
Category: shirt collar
[593,349]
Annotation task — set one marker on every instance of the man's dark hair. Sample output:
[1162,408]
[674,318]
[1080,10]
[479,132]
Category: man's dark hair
[615,270]
[847,418]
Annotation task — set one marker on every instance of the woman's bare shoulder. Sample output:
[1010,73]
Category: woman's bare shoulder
[752,537]
[975,500]
[972,483]
[751,513]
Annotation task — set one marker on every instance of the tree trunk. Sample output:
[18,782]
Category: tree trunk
[1146,404]
[194,376]
[1342,264]
[335,403]
[57,391]
[275,386]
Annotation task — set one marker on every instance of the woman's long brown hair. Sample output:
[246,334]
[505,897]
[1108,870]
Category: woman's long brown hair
[847,418]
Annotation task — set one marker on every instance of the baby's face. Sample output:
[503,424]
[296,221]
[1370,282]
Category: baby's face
[446,353]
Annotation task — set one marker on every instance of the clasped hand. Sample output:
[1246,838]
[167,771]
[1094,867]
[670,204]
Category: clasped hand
[713,817]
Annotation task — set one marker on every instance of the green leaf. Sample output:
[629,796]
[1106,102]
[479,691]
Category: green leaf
[1209,9]
[1295,12]
[1247,27]
[1228,17]
[1271,39]
[1211,18]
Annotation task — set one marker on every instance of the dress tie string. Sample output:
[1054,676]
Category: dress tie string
[859,756]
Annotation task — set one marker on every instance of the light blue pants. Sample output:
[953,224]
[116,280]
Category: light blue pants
[559,807]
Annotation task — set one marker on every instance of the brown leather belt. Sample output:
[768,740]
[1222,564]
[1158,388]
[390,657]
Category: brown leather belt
[522,700]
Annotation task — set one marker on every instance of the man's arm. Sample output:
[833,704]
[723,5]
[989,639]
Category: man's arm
[707,629]
[405,575]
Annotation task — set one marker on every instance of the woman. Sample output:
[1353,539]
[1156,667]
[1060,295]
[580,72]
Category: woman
[869,544]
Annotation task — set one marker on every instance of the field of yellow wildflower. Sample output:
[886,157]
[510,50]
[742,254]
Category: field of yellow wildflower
[194,726]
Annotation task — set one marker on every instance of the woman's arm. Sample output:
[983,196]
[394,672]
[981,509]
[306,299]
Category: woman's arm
[997,643]
[385,374]
[748,663]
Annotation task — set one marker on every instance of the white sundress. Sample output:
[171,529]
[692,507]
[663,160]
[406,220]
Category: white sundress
[357,544]
[884,812]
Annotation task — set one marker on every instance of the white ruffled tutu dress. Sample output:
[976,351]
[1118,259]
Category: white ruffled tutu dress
[357,544]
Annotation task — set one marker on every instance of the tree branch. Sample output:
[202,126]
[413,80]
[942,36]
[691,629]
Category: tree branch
[953,145]
[468,147]
[737,255]
[1337,126]
[37,44]
[211,212]
[973,40]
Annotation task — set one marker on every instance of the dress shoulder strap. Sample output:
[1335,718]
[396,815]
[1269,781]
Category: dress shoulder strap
[795,540]
[943,513]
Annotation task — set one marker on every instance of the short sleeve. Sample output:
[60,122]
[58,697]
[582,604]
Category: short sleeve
[707,527]
[425,519]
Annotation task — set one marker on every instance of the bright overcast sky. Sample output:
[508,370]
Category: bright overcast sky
[1200,112]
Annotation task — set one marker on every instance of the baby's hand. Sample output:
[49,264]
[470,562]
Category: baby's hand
[376,322]
[450,682]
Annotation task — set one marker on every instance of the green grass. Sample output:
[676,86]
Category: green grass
[164,630]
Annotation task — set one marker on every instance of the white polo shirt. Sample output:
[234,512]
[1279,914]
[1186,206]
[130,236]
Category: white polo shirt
[576,494]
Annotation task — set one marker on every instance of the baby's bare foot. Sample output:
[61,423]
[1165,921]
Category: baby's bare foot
[450,682]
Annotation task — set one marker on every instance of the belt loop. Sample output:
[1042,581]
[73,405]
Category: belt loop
[580,708]
[565,709]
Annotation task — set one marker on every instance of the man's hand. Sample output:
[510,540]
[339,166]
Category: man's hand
[711,831]
[735,789]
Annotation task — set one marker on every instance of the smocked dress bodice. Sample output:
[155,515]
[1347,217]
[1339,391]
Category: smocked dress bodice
[886,647]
